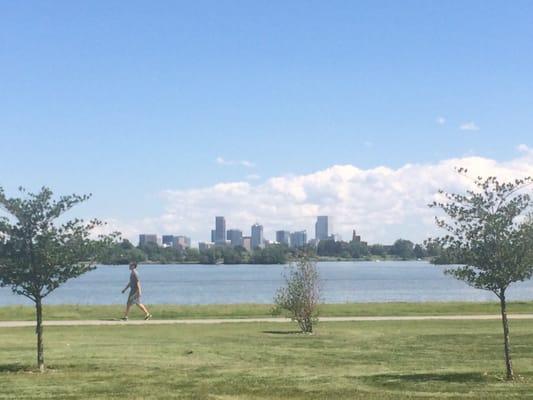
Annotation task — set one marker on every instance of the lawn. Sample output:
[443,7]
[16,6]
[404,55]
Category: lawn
[364,360]
[74,312]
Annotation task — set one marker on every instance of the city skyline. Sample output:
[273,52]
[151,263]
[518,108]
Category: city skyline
[235,237]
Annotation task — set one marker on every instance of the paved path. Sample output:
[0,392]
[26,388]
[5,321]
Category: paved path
[18,324]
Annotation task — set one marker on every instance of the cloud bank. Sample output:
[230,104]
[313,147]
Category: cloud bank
[381,203]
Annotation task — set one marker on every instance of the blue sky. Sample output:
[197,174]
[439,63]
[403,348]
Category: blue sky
[129,99]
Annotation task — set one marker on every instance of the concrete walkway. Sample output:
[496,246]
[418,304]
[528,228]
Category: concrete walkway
[19,324]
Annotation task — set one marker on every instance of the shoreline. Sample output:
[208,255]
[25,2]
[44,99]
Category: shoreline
[319,260]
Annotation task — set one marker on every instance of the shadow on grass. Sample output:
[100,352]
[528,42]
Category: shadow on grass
[5,368]
[283,332]
[447,377]
[21,368]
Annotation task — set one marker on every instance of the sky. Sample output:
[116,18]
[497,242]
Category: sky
[170,113]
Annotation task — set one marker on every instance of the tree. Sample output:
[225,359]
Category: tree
[37,255]
[121,253]
[192,255]
[272,254]
[403,249]
[487,233]
[327,248]
[126,245]
[301,294]
[358,249]
[231,255]
[152,251]
[212,255]
[419,251]
[378,250]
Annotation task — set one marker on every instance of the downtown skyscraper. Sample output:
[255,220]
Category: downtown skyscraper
[299,239]
[283,237]
[322,228]
[219,236]
[234,236]
[257,236]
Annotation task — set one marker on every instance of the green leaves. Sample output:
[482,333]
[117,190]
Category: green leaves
[487,232]
[301,294]
[38,254]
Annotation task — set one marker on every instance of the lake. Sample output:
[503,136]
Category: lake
[412,281]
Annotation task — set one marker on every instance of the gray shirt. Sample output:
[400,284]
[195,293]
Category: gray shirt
[134,279]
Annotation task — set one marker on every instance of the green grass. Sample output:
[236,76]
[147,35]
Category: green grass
[74,312]
[367,360]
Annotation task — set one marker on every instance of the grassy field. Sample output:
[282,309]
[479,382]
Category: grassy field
[22,313]
[369,360]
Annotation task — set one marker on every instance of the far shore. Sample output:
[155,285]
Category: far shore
[319,259]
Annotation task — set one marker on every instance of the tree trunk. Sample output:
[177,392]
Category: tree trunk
[507,348]
[39,332]
[309,324]
[306,325]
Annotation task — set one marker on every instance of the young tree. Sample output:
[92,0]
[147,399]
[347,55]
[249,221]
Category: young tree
[301,295]
[403,248]
[37,254]
[489,234]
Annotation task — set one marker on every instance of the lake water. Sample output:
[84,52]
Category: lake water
[225,284]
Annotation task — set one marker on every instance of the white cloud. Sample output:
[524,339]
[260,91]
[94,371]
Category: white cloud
[247,164]
[243,163]
[381,203]
[469,126]
[441,120]
[523,148]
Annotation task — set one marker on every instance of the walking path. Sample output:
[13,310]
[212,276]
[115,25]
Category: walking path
[19,324]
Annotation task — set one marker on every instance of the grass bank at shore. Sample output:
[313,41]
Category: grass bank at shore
[77,312]
[362,360]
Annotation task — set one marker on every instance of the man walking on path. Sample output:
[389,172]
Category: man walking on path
[135,293]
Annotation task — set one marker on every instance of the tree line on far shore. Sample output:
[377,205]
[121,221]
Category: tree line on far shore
[124,252]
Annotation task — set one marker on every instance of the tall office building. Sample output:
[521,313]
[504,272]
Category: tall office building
[220,230]
[322,228]
[247,242]
[168,240]
[257,236]
[283,237]
[202,246]
[144,239]
[298,239]
[182,242]
[235,237]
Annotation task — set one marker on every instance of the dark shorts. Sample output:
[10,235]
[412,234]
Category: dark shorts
[134,298]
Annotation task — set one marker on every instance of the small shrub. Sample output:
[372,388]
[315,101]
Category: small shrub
[301,294]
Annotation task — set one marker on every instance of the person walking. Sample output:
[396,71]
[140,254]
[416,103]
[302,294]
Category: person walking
[135,293]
